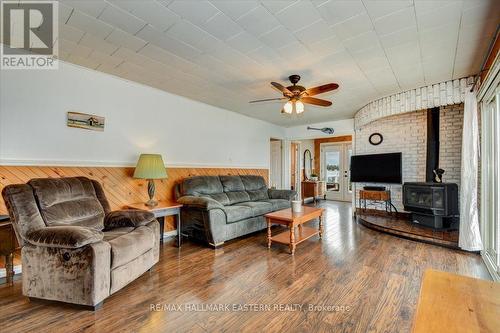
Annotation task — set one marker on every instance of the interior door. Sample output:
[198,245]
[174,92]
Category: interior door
[275,169]
[335,161]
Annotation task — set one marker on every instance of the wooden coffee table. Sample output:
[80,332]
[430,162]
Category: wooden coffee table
[291,220]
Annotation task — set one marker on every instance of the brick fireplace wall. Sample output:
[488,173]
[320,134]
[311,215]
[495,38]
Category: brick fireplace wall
[407,133]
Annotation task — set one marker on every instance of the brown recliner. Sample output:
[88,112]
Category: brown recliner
[74,249]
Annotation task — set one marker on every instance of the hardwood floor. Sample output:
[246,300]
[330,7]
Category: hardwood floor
[377,276]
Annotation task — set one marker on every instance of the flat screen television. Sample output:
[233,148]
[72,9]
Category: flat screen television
[376,168]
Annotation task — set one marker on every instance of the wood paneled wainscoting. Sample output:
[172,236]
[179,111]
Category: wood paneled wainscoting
[121,189]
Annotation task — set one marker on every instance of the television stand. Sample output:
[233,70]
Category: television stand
[384,196]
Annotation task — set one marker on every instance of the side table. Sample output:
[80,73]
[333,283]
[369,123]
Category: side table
[164,208]
[7,247]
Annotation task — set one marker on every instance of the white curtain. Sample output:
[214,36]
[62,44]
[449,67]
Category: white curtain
[469,236]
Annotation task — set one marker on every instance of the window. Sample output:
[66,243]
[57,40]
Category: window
[490,179]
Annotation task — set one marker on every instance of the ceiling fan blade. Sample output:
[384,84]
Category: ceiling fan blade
[282,88]
[315,101]
[268,99]
[320,89]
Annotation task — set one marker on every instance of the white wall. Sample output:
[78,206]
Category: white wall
[33,106]
[341,127]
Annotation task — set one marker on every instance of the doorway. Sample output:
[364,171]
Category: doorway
[295,174]
[335,166]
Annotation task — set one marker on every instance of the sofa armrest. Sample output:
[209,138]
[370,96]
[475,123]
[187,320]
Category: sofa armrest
[200,202]
[127,218]
[282,194]
[69,237]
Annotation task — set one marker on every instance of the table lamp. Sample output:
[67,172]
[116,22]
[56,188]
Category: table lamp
[150,167]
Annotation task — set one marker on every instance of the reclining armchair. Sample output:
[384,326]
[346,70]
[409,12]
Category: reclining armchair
[74,249]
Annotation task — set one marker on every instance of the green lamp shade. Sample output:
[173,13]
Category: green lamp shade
[150,166]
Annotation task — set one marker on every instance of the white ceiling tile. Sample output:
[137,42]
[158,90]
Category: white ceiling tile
[83,61]
[294,52]
[98,43]
[353,26]
[298,15]
[151,12]
[63,13]
[70,33]
[266,56]
[327,46]
[441,34]
[258,21]
[197,12]
[315,32]
[477,11]
[121,19]
[192,35]
[244,42]
[130,56]
[89,24]
[74,48]
[105,59]
[158,54]
[230,56]
[337,11]
[379,8]
[482,29]
[278,37]
[275,6]
[235,9]
[222,27]
[430,18]
[371,58]
[122,38]
[408,53]
[361,42]
[92,8]
[168,43]
[381,76]
[401,19]
[426,5]
[338,59]
[399,37]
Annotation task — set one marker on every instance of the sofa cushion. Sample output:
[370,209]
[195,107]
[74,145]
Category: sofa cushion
[131,245]
[252,182]
[219,197]
[255,186]
[237,197]
[258,208]
[237,213]
[278,204]
[68,201]
[258,195]
[201,185]
[232,183]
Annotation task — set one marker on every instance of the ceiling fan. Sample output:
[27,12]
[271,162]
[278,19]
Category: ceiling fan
[298,95]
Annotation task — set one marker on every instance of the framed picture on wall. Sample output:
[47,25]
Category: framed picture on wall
[86,121]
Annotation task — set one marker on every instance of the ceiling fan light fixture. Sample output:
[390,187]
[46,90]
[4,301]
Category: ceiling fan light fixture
[299,107]
[288,107]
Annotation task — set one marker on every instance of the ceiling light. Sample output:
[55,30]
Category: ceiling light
[288,107]
[299,107]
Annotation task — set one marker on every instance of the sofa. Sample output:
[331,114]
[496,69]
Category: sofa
[220,208]
[74,248]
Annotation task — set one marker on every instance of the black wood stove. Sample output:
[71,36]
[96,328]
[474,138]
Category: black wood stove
[433,205]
